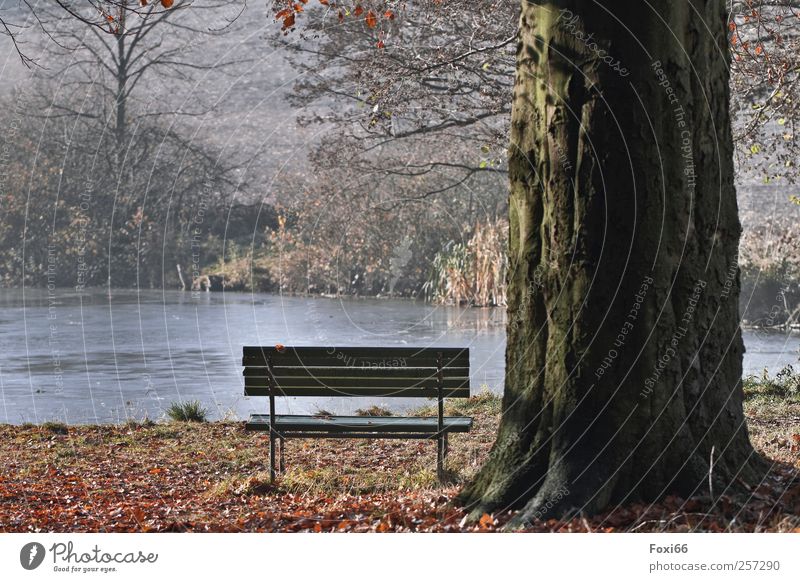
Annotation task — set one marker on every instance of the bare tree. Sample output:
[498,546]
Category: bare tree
[432,101]
[107,99]
[134,57]
[765,42]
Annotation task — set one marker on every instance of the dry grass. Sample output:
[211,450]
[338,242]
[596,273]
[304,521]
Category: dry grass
[772,406]
[374,411]
[473,272]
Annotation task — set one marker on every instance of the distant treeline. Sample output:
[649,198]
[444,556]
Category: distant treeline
[69,217]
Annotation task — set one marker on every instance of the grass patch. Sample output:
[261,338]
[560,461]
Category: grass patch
[785,385]
[485,402]
[373,411]
[768,396]
[238,486]
[133,423]
[56,427]
[162,431]
[63,454]
[324,480]
[189,411]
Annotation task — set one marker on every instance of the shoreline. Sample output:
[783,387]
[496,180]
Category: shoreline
[95,291]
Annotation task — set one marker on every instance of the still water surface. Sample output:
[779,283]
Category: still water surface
[95,357]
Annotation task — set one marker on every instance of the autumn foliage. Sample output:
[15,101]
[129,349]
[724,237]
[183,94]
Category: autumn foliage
[182,476]
[375,15]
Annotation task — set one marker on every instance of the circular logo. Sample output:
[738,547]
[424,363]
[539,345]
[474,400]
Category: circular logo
[31,555]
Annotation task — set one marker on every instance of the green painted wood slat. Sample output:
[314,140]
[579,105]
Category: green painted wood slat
[380,424]
[334,372]
[376,382]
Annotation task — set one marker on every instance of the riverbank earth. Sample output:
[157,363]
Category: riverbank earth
[182,476]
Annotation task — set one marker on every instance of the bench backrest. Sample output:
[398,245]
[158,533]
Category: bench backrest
[328,371]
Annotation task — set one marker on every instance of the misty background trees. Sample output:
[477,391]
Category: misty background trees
[320,162]
[105,179]
[765,46]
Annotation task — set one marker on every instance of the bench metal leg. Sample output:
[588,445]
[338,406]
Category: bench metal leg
[283,455]
[272,457]
[442,447]
[440,452]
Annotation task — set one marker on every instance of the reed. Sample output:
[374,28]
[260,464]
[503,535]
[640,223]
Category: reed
[471,272]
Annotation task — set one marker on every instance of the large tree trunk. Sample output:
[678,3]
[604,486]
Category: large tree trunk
[624,358]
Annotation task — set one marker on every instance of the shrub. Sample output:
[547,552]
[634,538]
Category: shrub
[190,411]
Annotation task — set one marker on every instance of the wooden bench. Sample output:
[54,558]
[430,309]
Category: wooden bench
[356,372]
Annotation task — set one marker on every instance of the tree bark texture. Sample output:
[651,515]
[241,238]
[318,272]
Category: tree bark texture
[624,357]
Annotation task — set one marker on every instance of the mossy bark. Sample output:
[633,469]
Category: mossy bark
[624,357]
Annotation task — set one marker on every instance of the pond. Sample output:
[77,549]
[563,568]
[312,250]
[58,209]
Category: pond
[99,357]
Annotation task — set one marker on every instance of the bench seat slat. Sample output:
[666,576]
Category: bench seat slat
[359,424]
[363,391]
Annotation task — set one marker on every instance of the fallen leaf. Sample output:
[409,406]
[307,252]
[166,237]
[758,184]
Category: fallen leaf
[486,521]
